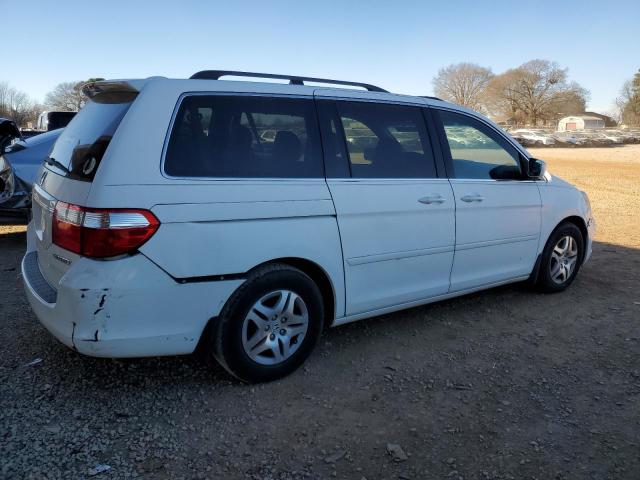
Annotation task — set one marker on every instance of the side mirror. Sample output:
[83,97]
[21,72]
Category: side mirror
[536,168]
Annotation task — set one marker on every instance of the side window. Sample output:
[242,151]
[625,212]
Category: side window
[244,136]
[386,141]
[477,152]
[335,154]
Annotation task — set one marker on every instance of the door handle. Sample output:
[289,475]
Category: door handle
[472,198]
[429,199]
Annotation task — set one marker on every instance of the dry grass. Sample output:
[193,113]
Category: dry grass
[5,229]
[611,177]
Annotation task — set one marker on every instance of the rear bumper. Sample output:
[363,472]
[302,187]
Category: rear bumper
[123,308]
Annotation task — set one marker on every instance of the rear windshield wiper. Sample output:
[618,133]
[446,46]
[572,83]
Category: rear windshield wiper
[53,162]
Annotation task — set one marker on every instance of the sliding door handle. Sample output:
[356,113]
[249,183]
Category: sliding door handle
[429,199]
[472,198]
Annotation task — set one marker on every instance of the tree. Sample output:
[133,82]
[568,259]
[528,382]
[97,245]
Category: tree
[570,101]
[17,105]
[629,101]
[535,91]
[463,83]
[68,96]
[32,113]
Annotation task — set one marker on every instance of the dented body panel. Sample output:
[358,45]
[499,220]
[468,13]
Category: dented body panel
[127,308]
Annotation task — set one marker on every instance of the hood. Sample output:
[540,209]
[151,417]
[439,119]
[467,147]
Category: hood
[8,131]
[559,182]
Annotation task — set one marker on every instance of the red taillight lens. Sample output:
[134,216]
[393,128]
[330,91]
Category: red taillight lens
[106,233]
[100,233]
[67,227]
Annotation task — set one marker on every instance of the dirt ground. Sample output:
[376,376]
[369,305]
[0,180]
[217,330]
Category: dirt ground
[504,384]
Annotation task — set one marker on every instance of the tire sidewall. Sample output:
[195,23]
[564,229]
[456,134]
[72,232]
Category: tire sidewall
[230,351]
[546,282]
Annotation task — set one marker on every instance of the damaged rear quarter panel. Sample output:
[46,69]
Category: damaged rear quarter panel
[130,307]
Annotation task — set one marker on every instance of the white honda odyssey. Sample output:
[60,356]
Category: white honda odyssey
[242,218]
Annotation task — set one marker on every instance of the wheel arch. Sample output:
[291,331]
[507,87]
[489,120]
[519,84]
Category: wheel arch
[581,224]
[320,277]
[578,222]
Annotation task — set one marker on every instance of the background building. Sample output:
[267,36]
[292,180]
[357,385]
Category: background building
[580,122]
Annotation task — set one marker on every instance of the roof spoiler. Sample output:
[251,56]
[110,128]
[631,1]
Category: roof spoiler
[91,89]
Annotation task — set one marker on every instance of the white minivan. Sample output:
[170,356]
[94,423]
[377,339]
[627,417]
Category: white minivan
[241,218]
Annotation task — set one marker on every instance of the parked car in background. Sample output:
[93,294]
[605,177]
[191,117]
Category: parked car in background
[166,219]
[529,137]
[522,140]
[48,121]
[533,137]
[627,136]
[568,139]
[594,138]
[614,137]
[20,161]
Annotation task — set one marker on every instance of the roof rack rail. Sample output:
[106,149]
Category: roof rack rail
[431,98]
[293,79]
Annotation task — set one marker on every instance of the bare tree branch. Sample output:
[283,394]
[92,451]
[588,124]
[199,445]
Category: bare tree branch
[463,83]
[536,91]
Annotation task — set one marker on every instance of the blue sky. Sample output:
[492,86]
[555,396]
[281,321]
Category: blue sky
[397,45]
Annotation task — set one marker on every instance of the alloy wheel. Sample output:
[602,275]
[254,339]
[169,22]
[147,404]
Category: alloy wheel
[274,328]
[564,259]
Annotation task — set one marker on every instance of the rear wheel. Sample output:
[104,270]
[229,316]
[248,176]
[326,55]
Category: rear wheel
[269,326]
[561,258]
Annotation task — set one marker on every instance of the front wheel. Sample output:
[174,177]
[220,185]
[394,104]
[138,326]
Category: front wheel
[561,258]
[269,326]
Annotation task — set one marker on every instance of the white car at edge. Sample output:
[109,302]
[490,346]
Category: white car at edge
[535,137]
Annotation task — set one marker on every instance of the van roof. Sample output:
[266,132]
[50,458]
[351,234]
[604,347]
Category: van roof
[209,80]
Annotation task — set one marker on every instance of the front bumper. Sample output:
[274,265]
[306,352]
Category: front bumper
[123,308]
[591,229]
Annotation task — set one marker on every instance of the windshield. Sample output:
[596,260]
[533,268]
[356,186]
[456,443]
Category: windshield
[81,146]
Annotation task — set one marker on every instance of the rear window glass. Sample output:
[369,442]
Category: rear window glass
[222,136]
[81,146]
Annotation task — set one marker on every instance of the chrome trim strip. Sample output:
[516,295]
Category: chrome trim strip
[383,257]
[389,181]
[490,181]
[43,199]
[501,241]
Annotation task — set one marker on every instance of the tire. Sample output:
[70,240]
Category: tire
[563,252]
[248,324]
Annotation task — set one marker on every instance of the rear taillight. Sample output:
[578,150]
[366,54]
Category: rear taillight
[67,227]
[100,233]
